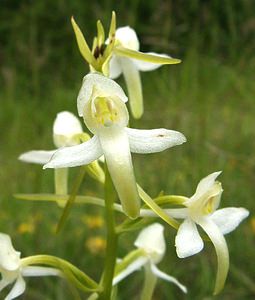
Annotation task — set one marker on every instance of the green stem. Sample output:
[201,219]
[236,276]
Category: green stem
[69,204]
[112,238]
[149,283]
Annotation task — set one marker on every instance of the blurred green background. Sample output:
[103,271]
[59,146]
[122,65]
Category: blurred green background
[209,97]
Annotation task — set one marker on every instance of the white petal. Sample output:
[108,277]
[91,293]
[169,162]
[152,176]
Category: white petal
[18,289]
[66,123]
[153,140]
[148,66]
[32,271]
[40,157]
[9,257]
[178,213]
[134,86]
[221,249]
[99,86]
[79,155]
[115,145]
[134,266]
[66,126]
[151,240]
[167,277]
[127,37]
[188,241]
[205,184]
[227,219]
[115,67]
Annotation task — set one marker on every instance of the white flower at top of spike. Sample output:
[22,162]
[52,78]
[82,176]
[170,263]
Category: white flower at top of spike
[152,243]
[101,102]
[128,60]
[12,271]
[201,209]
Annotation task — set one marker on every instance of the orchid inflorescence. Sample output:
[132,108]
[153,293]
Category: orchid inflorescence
[101,103]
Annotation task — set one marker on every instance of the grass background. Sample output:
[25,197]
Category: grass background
[209,97]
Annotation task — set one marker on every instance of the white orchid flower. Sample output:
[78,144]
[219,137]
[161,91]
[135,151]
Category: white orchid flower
[67,131]
[201,209]
[12,270]
[130,63]
[152,244]
[101,102]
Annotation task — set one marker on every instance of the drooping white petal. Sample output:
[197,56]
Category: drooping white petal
[115,67]
[204,185]
[61,181]
[9,257]
[178,213]
[34,271]
[154,140]
[151,240]
[221,249]
[18,289]
[79,155]
[134,266]
[40,157]
[227,219]
[127,37]
[188,241]
[134,86]
[167,277]
[98,86]
[148,66]
[115,145]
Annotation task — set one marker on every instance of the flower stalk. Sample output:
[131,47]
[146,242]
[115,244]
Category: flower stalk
[150,281]
[112,238]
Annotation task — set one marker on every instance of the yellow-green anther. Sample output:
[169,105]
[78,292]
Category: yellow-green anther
[82,44]
[94,45]
[100,33]
[112,27]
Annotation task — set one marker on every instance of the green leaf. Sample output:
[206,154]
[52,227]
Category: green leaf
[155,59]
